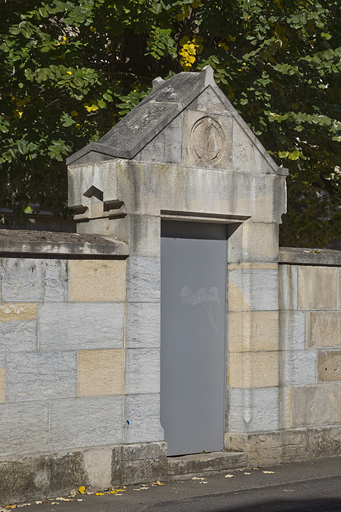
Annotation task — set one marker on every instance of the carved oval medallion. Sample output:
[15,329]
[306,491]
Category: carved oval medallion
[207,140]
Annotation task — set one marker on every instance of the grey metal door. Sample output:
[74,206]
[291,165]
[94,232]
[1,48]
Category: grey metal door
[193,333]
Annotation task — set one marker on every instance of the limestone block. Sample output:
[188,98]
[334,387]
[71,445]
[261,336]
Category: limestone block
[250,410]
[324,329]
[143,414]
[207,140]
[288,287]
[284,407]
[77,326]
[252,331]
[34,280]
[292,330]
[246,156]
[317,288]
[2,385]
[140,232]
[143,326]
[298,367]
[97,463]
[24,428]
[97,280]
[41,376]
[316,405]
[18,336]
[329,366]
[255,289]
[255,242]
[100,372]
[253,369]
[86,422]
[143,281]
[142,371]
[10,312]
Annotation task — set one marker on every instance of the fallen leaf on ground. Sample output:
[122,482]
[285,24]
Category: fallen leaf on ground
[288,490]
[247,473]
[158,483]
[54,503]
[11,506]
[229,476]
[81,489]
[268,472]
[22,505]
[203,482]
[80,499]
[99,494]
[62,499]
[197,478]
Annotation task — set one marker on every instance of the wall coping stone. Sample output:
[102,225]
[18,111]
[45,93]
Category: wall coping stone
[314,257]
[50,243]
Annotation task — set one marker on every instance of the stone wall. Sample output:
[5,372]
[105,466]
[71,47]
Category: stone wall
[310,342]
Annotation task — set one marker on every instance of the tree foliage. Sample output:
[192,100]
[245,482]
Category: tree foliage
[70,70]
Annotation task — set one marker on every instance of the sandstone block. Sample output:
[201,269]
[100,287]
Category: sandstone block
[143,414]
[288,287]
[97,280]
[2,385]
[143,326]
[298,367]
[292,330]
[143,279]
[18,336]
[324,329]
[41,376]
[253,369]
[316,405]
[250,410]
[252,331]
[24,428]
[259,289]
[329,366]
[100,372]
[17,312]
[317,288]
[259,242]
[142,371]
[77,326]
[86,422]
[34,280]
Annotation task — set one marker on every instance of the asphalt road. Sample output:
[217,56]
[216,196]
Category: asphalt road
[313,486]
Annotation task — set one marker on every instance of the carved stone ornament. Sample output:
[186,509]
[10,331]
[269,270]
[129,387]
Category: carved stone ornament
[207,139]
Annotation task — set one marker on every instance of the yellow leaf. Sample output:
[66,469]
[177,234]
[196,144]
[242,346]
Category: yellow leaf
[99,493]
[81,489]
[268,472]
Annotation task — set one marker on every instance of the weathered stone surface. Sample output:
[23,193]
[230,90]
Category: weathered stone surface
[142,371]
[39,477]
[100,372]
[2,385]
[18,336]
[252,331]
[143,281]
[316,405]
[253,369]
[207,140]
[250,410]
[292,330]
[258,287]
[24,428]
[317,288]
[307,256]
[166,146]
[17,312]
[97,280]
[41,376]
[33,280]
[255,242]
[324,329]
[288,287]
[329,366]
[97,464]
[143,414]
[298,367]
[84,326]
[143,325]
[86,422]
[205,462]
